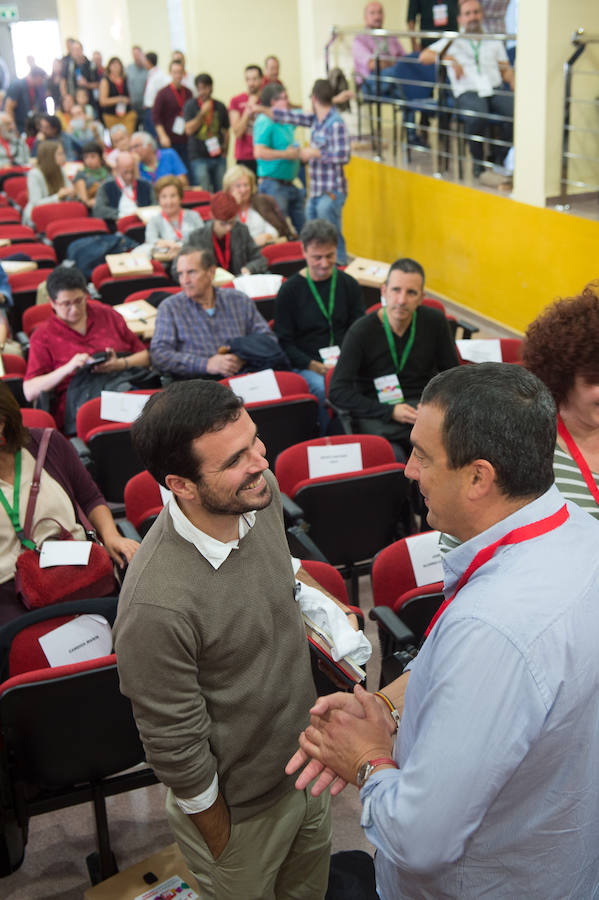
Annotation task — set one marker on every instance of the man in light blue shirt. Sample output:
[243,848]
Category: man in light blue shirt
[492,788]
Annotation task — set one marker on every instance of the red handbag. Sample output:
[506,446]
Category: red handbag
[41,587]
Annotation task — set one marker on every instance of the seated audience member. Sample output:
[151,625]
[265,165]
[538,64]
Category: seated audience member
[207,129]
[242,115]
[167,113]
[113,97]
[84,128]
[315,308]
[366,47]
[87,181]
[562,349]
[477,70]
[156,162]
[47,183]
[50,129]
[65,112]
[62,345]
[82,99]
[229,239]
[389,356]
[122,194]
[64,483]
[195,326]
[26,97]
[171,228]
[278,156]
[13,148]
[326,156]
[258,212]
[120,140]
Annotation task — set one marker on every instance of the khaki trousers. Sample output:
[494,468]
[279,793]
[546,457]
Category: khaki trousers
[280,854]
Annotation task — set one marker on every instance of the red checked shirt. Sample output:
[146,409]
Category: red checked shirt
[54,343]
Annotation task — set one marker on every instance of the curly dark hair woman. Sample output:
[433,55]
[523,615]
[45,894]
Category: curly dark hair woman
[562,348]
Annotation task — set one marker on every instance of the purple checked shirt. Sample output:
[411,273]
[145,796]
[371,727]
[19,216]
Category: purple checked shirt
[332,139]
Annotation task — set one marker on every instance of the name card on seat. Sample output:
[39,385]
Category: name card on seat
[478,351]
[334,459]
[258,285]
[116,406]
[368,272]
[425,557]
[122,265]
[256,387]
[83,638]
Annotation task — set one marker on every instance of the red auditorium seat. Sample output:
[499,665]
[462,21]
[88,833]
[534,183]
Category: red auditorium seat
[44,256]
[284,259]
[24,287]
[45,213]
[114,290]
[20,233]
[63,231]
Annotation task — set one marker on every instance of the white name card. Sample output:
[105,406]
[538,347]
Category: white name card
[258,285]
[83,638]
[116,406]
[65,553]
[425,557]
[173,887]
[482,350]
[334,459]
[256,387]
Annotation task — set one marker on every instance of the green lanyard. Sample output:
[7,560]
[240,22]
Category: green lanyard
[391,341]
[327,314]
[476,50]
[13,512]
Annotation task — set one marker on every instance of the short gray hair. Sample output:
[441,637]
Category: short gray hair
[146,138]
[318,231]
[117,129]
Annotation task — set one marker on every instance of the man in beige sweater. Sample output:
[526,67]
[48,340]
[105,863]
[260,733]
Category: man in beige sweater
[213,654]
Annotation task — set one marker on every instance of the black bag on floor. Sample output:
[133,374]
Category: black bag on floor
[351,876]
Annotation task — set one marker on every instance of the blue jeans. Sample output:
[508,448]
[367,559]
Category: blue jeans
[289,199]
[329,207]
[208,173]
[316,385]
[387,88]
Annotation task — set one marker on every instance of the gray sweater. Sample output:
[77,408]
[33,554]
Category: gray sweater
[216,662]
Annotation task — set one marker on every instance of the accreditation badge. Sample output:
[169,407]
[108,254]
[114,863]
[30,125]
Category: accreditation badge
[388,389]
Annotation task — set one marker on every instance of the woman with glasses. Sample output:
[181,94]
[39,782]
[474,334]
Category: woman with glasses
[64,345]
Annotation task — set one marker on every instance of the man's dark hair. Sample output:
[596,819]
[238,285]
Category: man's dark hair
[37,72]
[271,93]
[256,67]
[318,231]
[207,257]
[203,78]
[152,58]
[65,278]
[501,413]
[172,419]
[92,147]
[323,91]
[53,121]
[407,265]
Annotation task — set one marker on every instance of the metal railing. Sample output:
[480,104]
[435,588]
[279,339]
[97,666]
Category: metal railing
[398,94]
[576,135]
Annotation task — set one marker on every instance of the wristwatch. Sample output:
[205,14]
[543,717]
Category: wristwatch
[367,768]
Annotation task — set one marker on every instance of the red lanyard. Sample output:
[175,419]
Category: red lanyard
[179,96]
[119,84]
[578,458]
[6,146]
[207,118]
[226,259]
[177,231]
[128,190]
[243,216]
[517,536]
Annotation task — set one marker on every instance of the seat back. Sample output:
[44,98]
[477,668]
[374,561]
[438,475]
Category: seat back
[37,418]
[24,287]
[13,364]
[45,213]
[34,316]
[14,186]
[43,255]
[143,295]
[288,383]
[21,233]
[192,198]
[143,500]
[511,350]
[284,259]
[292,468]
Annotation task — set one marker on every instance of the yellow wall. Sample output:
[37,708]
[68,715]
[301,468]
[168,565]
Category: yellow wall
[506,260]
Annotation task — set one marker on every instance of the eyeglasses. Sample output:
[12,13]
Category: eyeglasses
[65,304]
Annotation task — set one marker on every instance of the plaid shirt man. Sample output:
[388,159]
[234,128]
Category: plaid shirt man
[332,139]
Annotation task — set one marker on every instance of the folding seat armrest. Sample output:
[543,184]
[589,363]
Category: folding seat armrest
[400,633]
[303,546]
[24,342]
[467,328]
[83,452]
[343,415]
[128,529]
[292,512]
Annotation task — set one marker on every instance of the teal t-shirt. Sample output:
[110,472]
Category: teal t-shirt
[276,136]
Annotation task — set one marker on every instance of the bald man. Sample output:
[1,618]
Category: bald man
[367,46]
[121,195]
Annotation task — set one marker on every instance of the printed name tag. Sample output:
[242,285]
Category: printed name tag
[213,146]
[65,553]
[179,125]
[121,109]
[388,389]
[440,16]
[330,355]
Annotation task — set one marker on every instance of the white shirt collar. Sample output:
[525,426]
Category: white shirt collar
[216,552]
